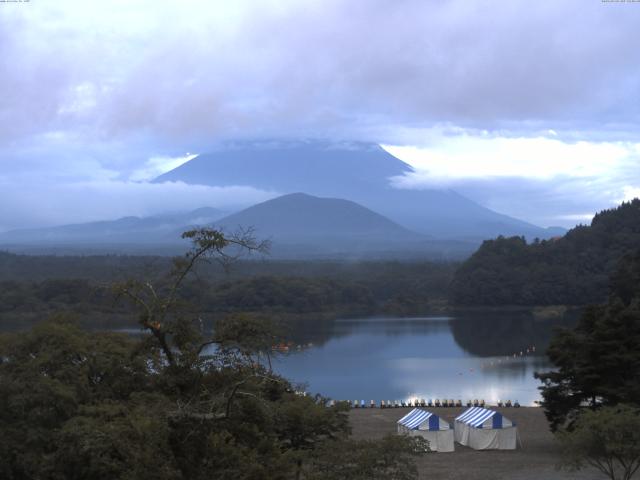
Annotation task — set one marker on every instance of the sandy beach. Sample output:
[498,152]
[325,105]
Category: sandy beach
[536,460]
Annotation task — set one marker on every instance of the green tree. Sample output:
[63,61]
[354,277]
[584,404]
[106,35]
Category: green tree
[390,457]
[50,379]
[249,335]
[79,405]
[607,439]
[160,307]
[598,362]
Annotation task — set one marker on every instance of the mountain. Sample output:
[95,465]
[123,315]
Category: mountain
[355,171]
[571,270]
[128,230]
[300,225]
[298,217]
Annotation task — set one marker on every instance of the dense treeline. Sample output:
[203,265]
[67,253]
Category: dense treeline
[82,285]
[570,270]
[264,293]
[290,294]
[52,294]
[109,268]
[15,267]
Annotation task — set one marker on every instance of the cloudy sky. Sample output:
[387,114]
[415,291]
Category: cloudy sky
[529,107]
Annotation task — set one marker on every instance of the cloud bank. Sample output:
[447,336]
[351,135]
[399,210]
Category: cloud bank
[203,68]
[527,176]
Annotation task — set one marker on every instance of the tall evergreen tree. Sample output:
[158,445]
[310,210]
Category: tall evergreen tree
[598,362]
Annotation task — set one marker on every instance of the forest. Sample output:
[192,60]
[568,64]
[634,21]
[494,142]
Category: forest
[31,288]
[570,270]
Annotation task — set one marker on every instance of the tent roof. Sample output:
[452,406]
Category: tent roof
[475,416]
[415,418]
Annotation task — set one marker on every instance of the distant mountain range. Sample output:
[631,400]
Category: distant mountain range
[127,230]
[348,208]
[359,172]
[298,226]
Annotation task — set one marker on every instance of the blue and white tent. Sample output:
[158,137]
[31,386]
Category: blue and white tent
[429,426]
[484,429]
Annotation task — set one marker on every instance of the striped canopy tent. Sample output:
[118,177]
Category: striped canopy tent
[484,429]
[429,426]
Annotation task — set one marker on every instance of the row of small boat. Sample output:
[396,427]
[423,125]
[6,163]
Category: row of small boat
[286,347]
[425,403]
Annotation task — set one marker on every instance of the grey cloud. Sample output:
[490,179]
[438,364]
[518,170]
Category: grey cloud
[327,67]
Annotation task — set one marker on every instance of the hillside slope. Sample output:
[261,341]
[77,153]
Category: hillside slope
[299,216]
[573,269]
[306,224]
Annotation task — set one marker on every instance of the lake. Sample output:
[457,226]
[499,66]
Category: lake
[490,356]
[460,356]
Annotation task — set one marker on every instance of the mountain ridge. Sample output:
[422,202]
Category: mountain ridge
[309,217]
[301,225]
[356,171]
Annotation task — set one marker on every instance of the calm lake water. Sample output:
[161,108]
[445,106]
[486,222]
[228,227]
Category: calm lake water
[462,357]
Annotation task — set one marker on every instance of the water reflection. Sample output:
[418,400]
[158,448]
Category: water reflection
[467,356]
[464,356]
[487,333]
